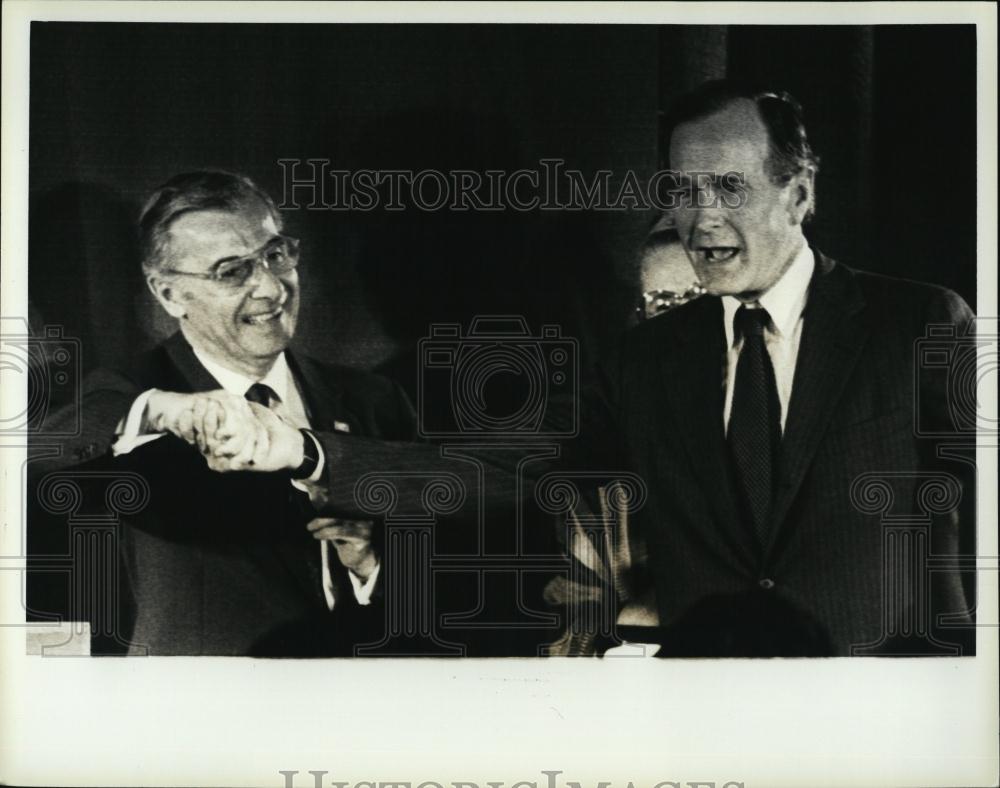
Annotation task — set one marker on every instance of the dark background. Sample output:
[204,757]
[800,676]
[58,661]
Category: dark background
[116,109]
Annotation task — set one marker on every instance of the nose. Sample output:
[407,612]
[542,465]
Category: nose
[264,283]
[708,218]
[700,223]
[703,206]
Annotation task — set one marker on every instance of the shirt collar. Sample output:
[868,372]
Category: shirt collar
[786,299]
[235,383]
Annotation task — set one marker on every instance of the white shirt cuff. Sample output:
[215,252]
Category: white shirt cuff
[363,591]
[309,485]
[128,431]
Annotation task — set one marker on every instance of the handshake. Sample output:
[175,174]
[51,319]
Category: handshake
[230,432]
[236,435]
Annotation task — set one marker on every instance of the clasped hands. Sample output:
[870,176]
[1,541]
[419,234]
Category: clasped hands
[230,432]
[236,435]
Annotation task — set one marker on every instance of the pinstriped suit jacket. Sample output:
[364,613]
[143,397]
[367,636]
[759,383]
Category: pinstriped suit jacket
[858,400]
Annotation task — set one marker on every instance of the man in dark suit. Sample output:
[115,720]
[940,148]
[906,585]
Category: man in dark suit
[811,409]
[237,563]
[791,505]
[770,417]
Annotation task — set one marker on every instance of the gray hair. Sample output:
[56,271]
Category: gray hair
[193,191]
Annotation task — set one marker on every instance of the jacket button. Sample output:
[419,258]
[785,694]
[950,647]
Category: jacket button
[766,583]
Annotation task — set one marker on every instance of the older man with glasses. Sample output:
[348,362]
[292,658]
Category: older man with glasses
[234,564]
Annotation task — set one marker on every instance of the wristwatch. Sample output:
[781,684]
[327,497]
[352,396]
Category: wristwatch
[310,456]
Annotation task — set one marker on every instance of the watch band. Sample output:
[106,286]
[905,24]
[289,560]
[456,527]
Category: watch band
[310,456]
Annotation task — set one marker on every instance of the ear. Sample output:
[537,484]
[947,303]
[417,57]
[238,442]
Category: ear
[168,296]
[801,196]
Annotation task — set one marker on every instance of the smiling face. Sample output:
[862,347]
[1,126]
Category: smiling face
[743,250]
[246,328]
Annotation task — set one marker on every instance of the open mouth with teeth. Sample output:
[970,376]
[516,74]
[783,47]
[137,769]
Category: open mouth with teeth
[719,254]
[263,317]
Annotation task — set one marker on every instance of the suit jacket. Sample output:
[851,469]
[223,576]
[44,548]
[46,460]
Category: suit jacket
[850,471]
[222,563]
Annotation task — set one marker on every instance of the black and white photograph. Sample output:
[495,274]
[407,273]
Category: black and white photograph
[499,394]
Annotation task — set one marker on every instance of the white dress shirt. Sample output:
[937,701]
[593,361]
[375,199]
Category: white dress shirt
[785,302]
[290,406]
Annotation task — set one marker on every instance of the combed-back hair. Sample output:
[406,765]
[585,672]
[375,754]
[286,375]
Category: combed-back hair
[790,152]
[193,191]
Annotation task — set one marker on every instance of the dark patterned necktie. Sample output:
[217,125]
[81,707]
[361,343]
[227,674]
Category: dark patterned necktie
[755,421]
[262,394]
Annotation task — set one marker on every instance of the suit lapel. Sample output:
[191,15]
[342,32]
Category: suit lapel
[186,365]
[834,332]
[323,399]
[693,383]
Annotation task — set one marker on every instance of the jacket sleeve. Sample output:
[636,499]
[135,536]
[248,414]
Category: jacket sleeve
[577,433]
[84,429]
[948,359]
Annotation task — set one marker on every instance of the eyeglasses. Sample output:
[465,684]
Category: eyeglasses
[279,256]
